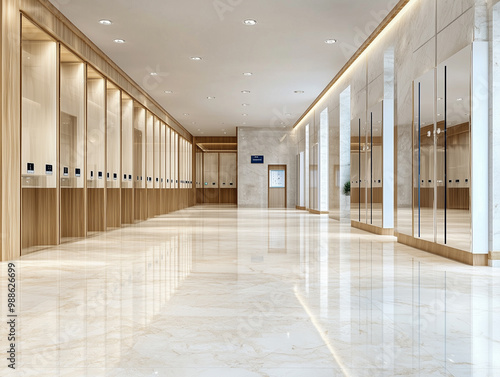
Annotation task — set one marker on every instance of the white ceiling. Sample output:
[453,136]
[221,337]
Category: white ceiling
[285,51]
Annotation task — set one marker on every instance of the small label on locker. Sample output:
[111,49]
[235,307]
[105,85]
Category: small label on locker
[31,168]
[162,180]
[206,183]
[91,174]
[141,177]
[213,183]
[466,181]
[115,176]
[168,181]
[457,181]
[157,180]
[107,175]
[78,172]
[430,180]
[130,177]
[176,181]
[379,181]
[99,175]
[48,169]
[65,171]
[125,177]
[231,184]
[450,181]
[137,177]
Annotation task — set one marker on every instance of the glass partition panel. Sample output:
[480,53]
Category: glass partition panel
[358,170]
[72,146]
[72,132]
[453,164]
[211,170]
[39,108]
[157,153]
[168,157]
[173,159]
[162,156]
[96,147]
[176,160]
[127,141]
[199,169]
[227,170]
[113,137]
[39,169]
[424,157]
[375,165]
[314,177]
[96,129]
[149,149]
[139,146]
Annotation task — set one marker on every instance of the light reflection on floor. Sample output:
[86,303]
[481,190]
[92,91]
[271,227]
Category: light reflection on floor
[220,291]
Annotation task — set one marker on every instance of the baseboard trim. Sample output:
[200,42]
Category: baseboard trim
[314,212]
[301,208]
[372,228]
[457,255]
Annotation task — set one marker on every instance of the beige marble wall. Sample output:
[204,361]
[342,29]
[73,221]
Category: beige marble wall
[279,147]
[10,111]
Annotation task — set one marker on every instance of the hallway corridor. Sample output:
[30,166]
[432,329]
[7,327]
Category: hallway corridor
[216,291]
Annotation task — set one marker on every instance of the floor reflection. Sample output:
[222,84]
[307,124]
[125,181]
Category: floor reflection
[221,291]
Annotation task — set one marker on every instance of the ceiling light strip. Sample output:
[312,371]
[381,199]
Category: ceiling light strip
[387,20]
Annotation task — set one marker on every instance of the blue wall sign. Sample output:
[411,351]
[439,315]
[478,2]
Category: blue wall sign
[257,159]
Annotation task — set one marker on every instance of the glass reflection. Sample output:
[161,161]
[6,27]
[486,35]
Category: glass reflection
[424,157]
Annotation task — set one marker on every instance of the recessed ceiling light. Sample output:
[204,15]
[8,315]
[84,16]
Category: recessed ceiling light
[153,74]
[440,99]
[195,58]
[244,123]
[460,99]
[299,92]
[105,22]
[245,91]
[250,22]
[168,92]
[330,41]
[245,115]
[209,97]
[288,115]
[247,74]
[186,114]
[119,40]
[245,104]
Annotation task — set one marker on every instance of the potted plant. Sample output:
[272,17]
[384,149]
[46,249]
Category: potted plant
[347,188]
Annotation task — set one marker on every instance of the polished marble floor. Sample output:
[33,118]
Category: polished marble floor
[220,291]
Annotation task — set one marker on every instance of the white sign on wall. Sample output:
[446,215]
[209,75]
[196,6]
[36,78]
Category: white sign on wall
[277,179]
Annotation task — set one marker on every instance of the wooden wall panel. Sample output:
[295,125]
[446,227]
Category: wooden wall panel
[211,196]
[113,208]
[127,199]
[73,212]
[96,211]
[39,213]
[228,196]
[164,202]
[153,203]
[200,196]
[141,204]
[10,134]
